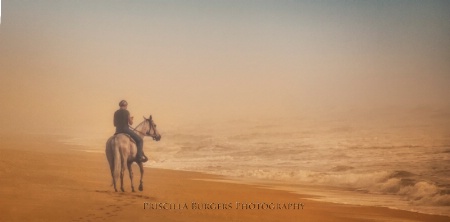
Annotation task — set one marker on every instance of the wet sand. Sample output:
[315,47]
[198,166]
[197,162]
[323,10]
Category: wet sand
[44,180]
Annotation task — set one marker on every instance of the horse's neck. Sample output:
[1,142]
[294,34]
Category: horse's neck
[141,134]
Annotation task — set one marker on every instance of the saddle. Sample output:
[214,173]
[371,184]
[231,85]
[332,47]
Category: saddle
[131,139]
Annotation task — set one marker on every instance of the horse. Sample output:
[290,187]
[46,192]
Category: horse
[121,152]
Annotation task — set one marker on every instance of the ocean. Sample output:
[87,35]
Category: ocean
[400,166]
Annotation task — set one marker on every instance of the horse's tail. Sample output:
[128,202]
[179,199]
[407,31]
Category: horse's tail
[116,161]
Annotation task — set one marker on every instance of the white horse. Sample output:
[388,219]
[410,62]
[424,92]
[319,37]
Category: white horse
[121,152]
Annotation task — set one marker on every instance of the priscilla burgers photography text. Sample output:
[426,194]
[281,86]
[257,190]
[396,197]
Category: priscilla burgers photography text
[223,206]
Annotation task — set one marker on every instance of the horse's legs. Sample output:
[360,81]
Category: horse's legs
[141,168]
[122,172]
[130,171]
[113,178]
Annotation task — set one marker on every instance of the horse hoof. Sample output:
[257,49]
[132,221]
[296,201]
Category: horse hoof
[141,188]
[122,190]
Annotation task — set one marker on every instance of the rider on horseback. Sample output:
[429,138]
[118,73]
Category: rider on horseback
[122,122]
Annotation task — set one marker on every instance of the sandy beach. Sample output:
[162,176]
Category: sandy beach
[44,180]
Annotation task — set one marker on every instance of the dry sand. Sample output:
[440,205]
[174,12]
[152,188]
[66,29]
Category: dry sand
[44,180]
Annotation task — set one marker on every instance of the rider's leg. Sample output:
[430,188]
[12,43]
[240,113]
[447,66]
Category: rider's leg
[139,144]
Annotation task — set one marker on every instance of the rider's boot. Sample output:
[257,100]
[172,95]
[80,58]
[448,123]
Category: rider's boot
[141,158]
[144,158]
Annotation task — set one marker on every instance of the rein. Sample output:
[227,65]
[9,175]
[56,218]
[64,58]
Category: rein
[143,122]
[135,128]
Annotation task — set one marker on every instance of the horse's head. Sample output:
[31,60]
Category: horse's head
[150,129]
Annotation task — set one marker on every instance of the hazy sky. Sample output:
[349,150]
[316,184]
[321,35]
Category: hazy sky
[69,63]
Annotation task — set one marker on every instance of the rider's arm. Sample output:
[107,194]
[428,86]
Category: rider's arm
[130,120]
[115,119]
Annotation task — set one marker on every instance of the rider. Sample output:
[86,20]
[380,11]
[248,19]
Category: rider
[122,122]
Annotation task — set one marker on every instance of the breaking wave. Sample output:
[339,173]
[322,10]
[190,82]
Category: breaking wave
[409,167]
